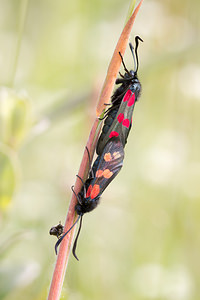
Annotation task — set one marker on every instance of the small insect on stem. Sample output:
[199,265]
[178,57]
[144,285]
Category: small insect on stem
[57,230]
[62,237]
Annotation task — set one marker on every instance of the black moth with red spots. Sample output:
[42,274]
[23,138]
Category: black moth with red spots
[118,120]
[104,170]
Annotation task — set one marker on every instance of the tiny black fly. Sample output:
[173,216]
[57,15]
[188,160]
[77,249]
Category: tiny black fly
[57,230]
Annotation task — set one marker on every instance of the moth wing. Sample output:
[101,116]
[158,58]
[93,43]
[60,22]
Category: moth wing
[122,123]
[110,163]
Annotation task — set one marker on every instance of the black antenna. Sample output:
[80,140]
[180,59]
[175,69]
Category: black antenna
[76,239]
[126,70]
[137,38]
[62,237]
[132,50]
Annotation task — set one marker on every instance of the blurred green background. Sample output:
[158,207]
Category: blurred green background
[143,240]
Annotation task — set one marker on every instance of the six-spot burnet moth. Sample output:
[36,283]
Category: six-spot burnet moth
[110,146]
[118,120]
[104,170]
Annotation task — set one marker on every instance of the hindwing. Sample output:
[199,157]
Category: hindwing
[110,163]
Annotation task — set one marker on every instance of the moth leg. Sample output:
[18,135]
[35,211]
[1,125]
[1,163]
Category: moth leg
[83,187]
[77,197]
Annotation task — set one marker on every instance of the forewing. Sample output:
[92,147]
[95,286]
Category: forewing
[122,122]
[110,163]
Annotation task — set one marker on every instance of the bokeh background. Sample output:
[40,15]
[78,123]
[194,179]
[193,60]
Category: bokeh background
[143,240]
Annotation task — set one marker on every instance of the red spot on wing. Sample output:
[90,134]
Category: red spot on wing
[116,154]
[120,117]
[89,191]
[127,96]
[95,191]
[131,101]
[99,173]
[107,173]
[126,123]
[107,156]
[113,133]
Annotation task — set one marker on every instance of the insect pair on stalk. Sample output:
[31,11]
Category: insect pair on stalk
[110,146]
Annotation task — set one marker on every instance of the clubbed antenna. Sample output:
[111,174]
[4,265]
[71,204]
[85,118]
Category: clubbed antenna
[132,50]
[137,39]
